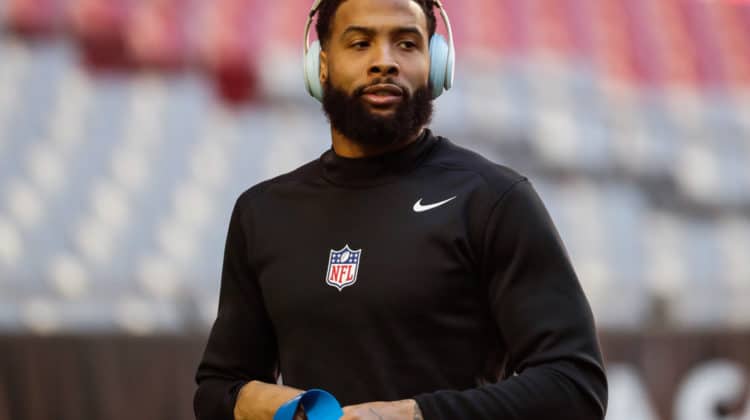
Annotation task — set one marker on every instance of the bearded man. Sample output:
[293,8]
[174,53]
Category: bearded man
[405,275]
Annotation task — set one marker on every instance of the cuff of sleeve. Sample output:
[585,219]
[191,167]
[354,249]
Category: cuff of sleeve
[234,392]
[426,404]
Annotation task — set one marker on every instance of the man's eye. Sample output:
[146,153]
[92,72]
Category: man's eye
[408,44]
[360,44]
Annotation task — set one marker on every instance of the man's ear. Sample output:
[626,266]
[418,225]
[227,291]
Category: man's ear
[323,67]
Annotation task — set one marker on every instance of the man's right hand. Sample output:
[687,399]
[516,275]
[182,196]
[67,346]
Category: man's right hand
[260,401]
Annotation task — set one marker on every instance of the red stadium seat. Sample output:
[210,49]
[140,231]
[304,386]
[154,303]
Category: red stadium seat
[679,54]
[731,23]
[232,37]
[581,31]
[550,29]
[709,61]
[613,44]
[34,17]
[157,34]
[100,27]
[284,25]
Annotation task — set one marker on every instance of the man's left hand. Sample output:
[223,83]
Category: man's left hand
[382,410]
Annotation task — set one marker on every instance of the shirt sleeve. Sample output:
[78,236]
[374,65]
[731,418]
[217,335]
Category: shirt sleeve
[241,346]
[554,367]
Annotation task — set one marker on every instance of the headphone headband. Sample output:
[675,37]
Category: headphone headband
[446,21]
[313,10]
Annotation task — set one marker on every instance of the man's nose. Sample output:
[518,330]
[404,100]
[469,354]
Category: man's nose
[384,64]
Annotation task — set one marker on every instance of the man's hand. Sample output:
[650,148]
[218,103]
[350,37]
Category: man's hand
[259,401]
[380,410]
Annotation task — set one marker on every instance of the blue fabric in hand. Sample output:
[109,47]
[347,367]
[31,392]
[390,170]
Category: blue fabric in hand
[317,403]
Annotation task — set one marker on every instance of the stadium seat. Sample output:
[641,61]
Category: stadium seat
[32,17]
[120,185]
[157,34]
[101,26]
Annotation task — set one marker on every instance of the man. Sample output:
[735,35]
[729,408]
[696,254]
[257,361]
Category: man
[408,276]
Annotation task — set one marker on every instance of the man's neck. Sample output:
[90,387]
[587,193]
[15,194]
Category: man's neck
[346,147]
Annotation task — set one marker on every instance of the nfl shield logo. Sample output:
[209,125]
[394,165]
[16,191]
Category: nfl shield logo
[342,267]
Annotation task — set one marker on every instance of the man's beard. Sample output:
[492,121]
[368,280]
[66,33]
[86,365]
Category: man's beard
[350,116]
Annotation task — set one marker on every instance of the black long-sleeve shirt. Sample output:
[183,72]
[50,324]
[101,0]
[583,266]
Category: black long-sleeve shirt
[428,273]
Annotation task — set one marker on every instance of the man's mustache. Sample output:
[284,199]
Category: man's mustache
[361,90]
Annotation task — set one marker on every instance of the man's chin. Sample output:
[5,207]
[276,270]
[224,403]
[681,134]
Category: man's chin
[382,112]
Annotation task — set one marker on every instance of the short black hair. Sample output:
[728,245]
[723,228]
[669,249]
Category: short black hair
[328,8]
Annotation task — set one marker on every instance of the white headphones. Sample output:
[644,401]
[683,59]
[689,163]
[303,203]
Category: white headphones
[442,58]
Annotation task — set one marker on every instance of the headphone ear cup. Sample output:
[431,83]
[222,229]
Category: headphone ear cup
[312,71]
[441,68]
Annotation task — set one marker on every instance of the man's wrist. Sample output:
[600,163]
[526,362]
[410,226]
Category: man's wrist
[260,401]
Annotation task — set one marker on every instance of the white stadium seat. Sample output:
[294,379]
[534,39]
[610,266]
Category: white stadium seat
[119,188]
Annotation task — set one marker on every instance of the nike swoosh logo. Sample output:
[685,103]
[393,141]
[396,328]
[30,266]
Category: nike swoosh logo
[418,207]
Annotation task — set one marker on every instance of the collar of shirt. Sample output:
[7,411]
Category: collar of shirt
[376,170]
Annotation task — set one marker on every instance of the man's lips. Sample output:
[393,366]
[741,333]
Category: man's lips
[382,94]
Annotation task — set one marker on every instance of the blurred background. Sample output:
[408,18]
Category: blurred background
[129,127]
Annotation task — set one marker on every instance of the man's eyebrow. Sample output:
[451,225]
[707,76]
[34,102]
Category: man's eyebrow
[407,30]
[371,32]
[354,28]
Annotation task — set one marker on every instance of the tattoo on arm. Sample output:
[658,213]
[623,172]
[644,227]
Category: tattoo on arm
[376,414]
[417,412]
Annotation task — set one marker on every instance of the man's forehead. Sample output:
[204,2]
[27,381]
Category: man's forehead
[379,14]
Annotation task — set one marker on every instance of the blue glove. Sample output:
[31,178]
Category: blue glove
[318,405]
